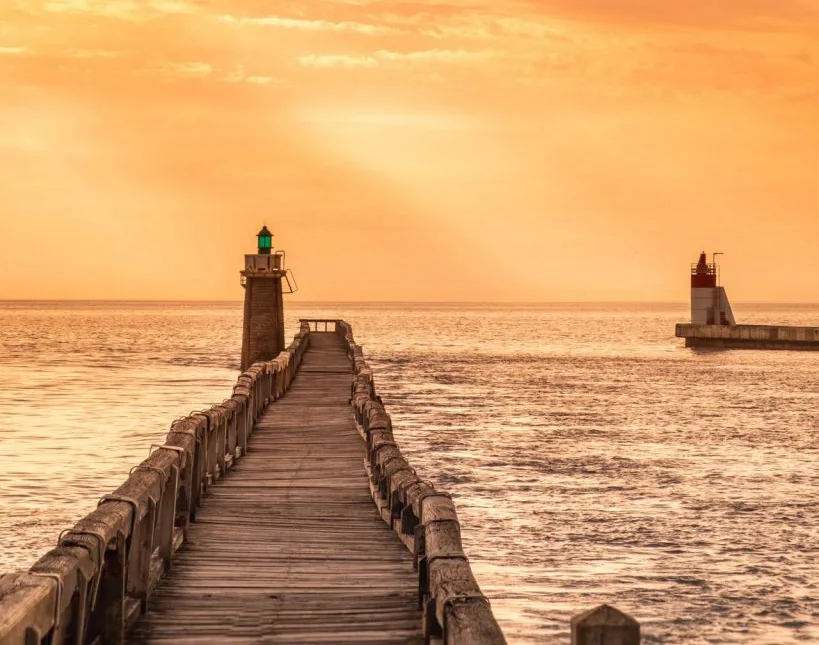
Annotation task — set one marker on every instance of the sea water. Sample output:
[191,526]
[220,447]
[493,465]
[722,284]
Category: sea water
[593,458]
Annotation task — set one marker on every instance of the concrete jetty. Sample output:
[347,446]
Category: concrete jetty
[285,514]
[749,336]
[713,325]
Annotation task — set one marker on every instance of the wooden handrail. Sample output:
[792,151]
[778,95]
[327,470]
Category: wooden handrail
[314,324]
[453,607]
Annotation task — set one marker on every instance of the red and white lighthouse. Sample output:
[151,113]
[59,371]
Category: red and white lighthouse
[709,302]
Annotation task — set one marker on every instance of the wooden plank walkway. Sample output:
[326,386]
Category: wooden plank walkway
[289,547]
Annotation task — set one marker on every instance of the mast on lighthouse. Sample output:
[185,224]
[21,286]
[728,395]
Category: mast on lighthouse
[263,328]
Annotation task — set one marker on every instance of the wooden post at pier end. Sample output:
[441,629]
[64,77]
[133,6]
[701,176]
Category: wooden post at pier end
[263,327]
[605,625]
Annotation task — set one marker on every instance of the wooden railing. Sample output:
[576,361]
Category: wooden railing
[99,578]
[452,604]
[454,609]
[315,324]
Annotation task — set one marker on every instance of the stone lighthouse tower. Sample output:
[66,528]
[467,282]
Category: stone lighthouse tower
[263,329]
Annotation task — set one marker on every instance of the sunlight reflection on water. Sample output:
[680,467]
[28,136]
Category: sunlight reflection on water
[593,458]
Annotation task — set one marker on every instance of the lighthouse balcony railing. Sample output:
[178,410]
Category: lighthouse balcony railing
[710,269]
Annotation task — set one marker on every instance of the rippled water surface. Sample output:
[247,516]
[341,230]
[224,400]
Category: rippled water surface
[593,458]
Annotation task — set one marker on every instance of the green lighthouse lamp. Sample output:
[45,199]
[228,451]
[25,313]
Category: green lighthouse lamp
[265,241]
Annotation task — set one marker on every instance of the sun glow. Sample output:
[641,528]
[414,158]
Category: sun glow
[513,141]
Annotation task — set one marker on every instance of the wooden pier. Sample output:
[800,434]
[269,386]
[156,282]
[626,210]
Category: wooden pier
[286,514]
[289,549]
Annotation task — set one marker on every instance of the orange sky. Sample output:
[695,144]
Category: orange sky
[427,150]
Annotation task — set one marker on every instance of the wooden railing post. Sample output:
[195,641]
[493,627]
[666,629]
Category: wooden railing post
[605,625]
[220,419]
[166,516]
[241,422]
[232,431]
[199,463]
[138,567]
[108,619]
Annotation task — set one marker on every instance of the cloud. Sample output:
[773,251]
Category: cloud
[751,15]
[200,70]
[195,69]
[432,120]
[122,9]
[14,51]
[173,6]
[384,56]
[302,24]
[347,62]
[437,55]
[239,75]
[115,8]
[97,53]
[479,26]
[439,21]
[259,80]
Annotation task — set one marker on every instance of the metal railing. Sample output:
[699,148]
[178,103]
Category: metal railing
[711,269]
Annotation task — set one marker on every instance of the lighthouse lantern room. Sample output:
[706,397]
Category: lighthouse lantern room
[266,260]
[265,238]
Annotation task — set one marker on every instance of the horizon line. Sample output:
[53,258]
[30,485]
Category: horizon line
[389,302]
